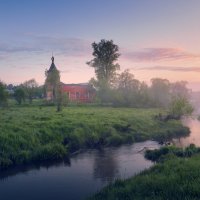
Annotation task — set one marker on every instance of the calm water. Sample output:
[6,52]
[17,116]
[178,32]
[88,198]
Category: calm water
[78,178]
[194,137]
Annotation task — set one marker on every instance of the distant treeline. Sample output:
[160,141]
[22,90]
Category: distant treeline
[130,92]
[125,91]
[26,91]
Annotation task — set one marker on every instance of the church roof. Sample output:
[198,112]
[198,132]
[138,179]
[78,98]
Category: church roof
[52,67]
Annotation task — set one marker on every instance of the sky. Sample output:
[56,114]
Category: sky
[156,38]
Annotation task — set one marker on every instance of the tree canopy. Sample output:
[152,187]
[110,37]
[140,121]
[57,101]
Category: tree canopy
[30,87]
[105,53]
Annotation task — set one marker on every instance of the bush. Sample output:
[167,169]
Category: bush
[180,106]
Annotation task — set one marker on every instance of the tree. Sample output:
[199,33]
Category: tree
[39,91]
[129,87]
[105,55]
[19,95]
[179,89]
[144,95]
[160,92]
[179,107]
[3,95]
[59,98]
[30,87]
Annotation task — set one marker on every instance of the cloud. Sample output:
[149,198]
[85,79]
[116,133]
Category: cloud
[63,46]
[37,44]
[3,56]
[160,54]
[6,48]
[169,68]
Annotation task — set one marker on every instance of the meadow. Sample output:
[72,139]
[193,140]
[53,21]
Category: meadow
[38,133]
[176,177]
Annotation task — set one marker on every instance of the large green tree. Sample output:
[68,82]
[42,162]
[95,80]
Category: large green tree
[105,53]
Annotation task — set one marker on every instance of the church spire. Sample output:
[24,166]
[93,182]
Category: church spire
[52,67]
[52,58]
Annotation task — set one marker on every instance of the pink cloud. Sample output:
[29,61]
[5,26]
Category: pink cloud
[160,54]
[169,68]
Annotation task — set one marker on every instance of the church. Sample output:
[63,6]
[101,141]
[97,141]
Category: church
[80,92]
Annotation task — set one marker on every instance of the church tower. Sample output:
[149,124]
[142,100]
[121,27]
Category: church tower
[52,82]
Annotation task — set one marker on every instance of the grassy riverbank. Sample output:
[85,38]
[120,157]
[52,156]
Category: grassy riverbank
[32,134]
[177,177]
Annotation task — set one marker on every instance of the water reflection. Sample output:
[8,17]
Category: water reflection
[24,169]
[193,138]
[85,174]
[105,165]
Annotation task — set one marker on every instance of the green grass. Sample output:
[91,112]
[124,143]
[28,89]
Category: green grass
[175,179]
[166,152]
[175,176]
[36,133]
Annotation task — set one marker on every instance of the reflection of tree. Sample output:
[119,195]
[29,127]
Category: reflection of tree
[105,166]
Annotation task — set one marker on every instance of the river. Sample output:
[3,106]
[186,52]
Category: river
[193,138]
[85,173]
[76,179]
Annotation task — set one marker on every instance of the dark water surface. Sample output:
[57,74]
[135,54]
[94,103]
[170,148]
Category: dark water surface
[76,179]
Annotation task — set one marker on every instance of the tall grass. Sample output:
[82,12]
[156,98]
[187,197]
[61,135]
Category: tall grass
[175,179]
[40,133]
